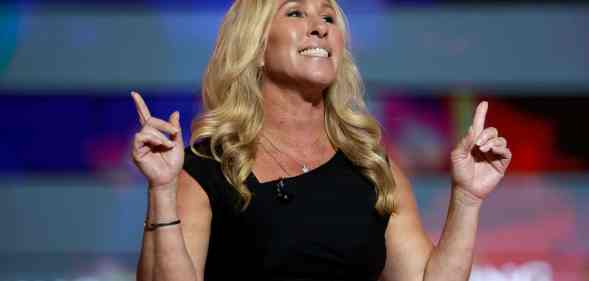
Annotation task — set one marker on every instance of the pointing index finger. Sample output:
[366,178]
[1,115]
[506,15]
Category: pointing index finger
[142,109]
[479,118]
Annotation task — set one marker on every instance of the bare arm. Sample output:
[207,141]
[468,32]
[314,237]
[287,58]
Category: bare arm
[408,247]
[411,254]
[479,162]
[176,252]
[453,256]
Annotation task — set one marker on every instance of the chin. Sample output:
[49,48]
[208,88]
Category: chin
[321,83]
[321,78]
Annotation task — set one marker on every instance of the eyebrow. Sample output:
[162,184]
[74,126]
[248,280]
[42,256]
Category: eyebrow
[325,4]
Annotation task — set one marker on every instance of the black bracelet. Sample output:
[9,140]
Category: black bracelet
[154,226]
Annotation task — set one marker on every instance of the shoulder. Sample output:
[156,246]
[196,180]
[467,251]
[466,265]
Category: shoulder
[199,163]
[200,167]
[196,172]
[403,190]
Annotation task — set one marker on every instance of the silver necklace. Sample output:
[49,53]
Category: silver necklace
[276,160]
[281,194]
[304,167]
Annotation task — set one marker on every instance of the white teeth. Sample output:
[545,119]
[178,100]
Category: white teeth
[315,52]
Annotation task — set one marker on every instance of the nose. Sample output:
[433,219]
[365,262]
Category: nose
[319,28]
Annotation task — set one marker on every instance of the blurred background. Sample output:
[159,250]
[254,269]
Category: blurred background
[72,204]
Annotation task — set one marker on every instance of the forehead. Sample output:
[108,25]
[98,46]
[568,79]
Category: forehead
[324,3]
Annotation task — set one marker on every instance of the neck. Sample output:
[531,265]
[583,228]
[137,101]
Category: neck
[293,116]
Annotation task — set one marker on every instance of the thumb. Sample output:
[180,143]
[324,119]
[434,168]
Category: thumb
[175,121]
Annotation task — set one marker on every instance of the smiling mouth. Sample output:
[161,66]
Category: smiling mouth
[315,52]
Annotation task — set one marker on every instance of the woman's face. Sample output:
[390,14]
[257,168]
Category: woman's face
[304,44]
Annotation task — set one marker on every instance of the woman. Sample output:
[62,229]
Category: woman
[286,178]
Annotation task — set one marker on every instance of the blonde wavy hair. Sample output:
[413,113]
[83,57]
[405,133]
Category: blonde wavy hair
[233,113]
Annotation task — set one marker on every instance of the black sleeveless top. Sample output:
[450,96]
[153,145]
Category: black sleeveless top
[329,230]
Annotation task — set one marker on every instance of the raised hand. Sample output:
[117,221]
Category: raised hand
[157,156]
[480,159]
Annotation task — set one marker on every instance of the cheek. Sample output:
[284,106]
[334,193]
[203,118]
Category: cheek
[283,34]
[282,44]
[339,49]
[338,42]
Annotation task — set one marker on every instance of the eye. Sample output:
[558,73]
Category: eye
[295,13]
[328,19]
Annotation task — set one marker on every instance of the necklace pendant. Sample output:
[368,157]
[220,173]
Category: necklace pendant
[305,169]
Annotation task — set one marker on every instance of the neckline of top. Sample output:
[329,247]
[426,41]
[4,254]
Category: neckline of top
[310,172]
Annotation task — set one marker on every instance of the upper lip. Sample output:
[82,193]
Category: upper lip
[316,46]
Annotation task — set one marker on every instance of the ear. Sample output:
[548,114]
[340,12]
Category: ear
[260,61]
[262,53]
